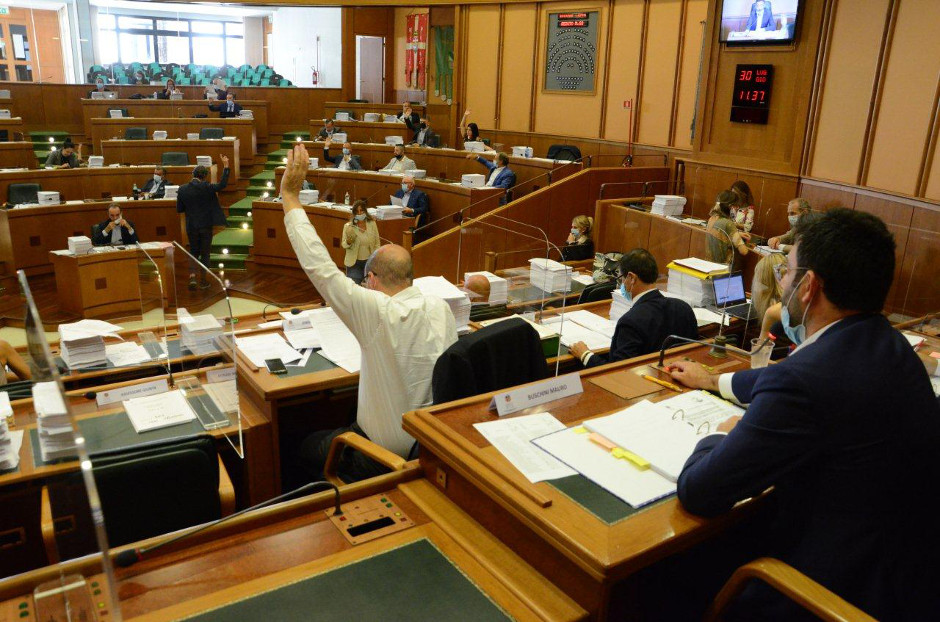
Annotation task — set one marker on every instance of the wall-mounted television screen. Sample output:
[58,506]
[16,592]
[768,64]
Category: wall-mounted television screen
[751,22]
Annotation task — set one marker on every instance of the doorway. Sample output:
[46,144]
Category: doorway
[370,68]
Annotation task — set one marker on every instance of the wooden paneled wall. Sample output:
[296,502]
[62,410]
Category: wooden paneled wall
[648,52]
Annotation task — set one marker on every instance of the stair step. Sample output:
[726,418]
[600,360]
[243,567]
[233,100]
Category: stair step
[244,203]
[305,135]
[235,221]
[228,262]
[263,176]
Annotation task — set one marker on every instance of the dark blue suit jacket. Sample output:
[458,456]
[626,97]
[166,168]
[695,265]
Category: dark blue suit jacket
[419,202]
[200,202]
[767,23]
[505,179]
[643,328]
[222,108]
[847,431]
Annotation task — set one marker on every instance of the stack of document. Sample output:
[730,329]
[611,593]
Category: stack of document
[337,342]
[689,279]
[499,287]
[199,332]
[388,212]
[456,299]
[10,442]
[260,348]
[549,275]
[56,438]
[596,332]
[127,353]
[82,343]
[79,244]
[668,204]
[618,305]
[153,412]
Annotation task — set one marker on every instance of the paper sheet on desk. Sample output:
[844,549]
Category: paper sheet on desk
[395,200]
[224,394]
[303,338]
[513,436]
[592,321]
[572,332]
[126,353]
[259,348]
[158,411]
[705,316]
[6,409]
[584,279]
[337,343]
[88,328]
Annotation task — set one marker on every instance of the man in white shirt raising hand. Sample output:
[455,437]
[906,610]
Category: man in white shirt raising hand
[400,331]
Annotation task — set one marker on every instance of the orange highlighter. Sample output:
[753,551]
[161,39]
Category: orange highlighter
[619,452]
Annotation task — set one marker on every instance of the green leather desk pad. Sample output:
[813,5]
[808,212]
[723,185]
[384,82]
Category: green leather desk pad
[115,431]
[414,582]
[603,505]
[315,363]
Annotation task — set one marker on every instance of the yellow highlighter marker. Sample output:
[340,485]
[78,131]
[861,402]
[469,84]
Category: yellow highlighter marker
[619,452]
[663,383]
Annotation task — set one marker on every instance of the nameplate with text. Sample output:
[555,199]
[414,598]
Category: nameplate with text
[138,390]
[536,394]
[220,375]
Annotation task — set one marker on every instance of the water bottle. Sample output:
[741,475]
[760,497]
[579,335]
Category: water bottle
[136,192]
[347,198]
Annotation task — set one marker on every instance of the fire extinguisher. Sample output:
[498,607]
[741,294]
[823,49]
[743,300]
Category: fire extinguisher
[316,76]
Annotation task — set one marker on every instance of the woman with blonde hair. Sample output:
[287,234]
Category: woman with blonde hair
[724,243]
[579,244]
[742,212]
[765,288]
[360,239]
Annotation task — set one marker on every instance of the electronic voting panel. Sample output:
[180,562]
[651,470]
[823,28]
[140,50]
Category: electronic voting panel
[571,57]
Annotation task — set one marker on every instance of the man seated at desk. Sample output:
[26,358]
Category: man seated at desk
[480,307]
[99,87]
[344,162]
[66,157]
[401,333]
[796,210]
[155,188]
[424,136]
[328,129]
[116,230]
[399,162]
[845,430]
[500,175]
[651,319]
[761,17]
[416,203]
[228,108]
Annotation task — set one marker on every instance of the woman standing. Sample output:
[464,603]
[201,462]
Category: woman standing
[360,239]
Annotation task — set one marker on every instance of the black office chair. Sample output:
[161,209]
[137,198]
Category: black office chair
[563,152]
[4,136]
[19,390]
[95,228]
[596,292]
[174,158]
[358,101]
[135,133]
[123,111]
[145,491]
[23,193]
[211,133]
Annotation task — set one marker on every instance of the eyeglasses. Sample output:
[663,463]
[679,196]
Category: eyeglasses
[780,270]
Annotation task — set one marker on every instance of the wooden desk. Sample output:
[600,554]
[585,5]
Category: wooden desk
[14,125]
[104,284]
[151,109]
[93,183]
[366,132]
[330,108]
[241,129]
[6,103]
[17,154]
[594,560]
[272,248]
[28,235]
[288,543]
[151,152]
[446,199]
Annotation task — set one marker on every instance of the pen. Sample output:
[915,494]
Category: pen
[663,383]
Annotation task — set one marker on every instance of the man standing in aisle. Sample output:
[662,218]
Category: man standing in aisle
[199,201]
[400,331]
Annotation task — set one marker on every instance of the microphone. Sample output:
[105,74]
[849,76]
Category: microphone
[264,317]
[678,338]
[130,557]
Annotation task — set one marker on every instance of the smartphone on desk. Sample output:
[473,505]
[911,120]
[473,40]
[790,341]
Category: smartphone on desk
[275,366]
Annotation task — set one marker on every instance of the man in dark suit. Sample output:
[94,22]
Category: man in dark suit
[227,109]
[329,128]
[424,135]
[415,202]
[155,187]
[115,230]
[651,319]
[845,429]
[500,175]
[409,116]
[761,17]
[199,201]
[346,161]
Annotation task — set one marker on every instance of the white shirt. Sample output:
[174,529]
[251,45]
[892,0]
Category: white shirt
[405,198]
[760,19]
[494,175]
[587,355]
[116,237]
[344,163]
[405,164]
[401,338]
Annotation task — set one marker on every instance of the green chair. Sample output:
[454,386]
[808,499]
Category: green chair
[135,133]
[174,158]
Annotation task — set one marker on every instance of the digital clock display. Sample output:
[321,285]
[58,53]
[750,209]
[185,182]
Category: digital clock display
[750,102]
[573,20]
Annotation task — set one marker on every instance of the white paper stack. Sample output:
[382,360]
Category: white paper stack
[456,299]
[245,114]
[159,135]
[169,192]
[309,197]
[56,438]
[79,244]
[372,117]
[199,332]
[82,343]
[688,279]
[192,135]
[388,212]
[126,353]
[339,138]
[5,114]
[499,287]
[668,204]
[390,118]
[204,160]
[618,305]
[394,140]
[342,116]
[10,442]
[47,197]
[549,275]
[95,161]
[474,145]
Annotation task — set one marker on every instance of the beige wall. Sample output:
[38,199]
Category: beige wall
[509,96]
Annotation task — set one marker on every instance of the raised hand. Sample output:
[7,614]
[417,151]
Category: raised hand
[295,172]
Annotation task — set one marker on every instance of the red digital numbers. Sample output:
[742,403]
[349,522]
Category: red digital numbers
[751,96]
[746,75]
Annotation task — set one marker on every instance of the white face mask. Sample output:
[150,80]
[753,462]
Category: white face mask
[345,151]
[359,217]
[793,219]
[404,188]
[157,179]
[100,86]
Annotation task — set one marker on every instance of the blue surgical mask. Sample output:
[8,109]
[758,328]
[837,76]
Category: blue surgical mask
[345,151]
[404,187]
[575,232]
[157,179]
[359,217]
[796,334]
[793,220]
[626,294]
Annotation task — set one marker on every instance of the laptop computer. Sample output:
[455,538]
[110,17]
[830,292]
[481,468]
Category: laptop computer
[730,298]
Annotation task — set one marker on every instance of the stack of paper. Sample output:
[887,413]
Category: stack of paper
[56,438]
[499,287]
[596,332]
[618,305]
[260,348]
[10,442]
[456,299]
[689,279]
[199,332]
[82,343]
[153,412]
[512,437]
[126,353]
[668,204]
[388,212]
[337,342]
[79,244]
[549,275]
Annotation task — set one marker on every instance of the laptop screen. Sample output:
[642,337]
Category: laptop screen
[729,290]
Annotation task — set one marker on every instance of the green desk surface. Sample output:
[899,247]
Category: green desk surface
[314,364]
[414,582]
[605,506]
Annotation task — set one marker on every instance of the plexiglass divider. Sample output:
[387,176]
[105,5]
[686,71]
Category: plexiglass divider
[72,517]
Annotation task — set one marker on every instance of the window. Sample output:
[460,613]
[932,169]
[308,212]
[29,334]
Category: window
[130,38]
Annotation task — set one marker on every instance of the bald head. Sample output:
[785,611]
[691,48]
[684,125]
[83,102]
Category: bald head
[479,285]
[392,269]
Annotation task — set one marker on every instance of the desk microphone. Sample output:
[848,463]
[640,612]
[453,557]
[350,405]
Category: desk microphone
[132,556]
[676,338]
[294,310]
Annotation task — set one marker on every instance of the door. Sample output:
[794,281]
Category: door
[370,68]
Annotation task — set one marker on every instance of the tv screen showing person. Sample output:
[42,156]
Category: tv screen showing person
[758,20]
